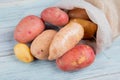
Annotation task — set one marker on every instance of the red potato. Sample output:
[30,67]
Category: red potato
[28,28]
[55,16]
[78,57]
[40,45]
[65,39]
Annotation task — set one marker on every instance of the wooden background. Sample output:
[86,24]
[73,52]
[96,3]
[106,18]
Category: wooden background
[105,67]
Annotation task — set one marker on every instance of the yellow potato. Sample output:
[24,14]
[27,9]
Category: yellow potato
[40,46]
[65,39]
[22,52]
[90,28]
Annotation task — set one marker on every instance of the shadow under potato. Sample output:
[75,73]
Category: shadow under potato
[50,26]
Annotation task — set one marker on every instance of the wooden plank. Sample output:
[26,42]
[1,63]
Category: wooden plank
[111,76]
[13,69]
[14,3]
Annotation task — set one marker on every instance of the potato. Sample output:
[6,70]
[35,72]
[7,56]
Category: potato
[55,16]
[90,28]
[78,57]
[78,13]
[28,28]
[65,39]
[22,52]
[40,46]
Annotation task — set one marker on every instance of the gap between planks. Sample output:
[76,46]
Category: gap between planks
[102,75]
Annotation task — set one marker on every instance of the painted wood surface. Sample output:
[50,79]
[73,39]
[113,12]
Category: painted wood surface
[105,67]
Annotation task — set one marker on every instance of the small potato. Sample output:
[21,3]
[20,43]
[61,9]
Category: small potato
[65,39]
[55,16]
[28,28]
[78,57]
[78,13]
[22,52]
[40,46]
[90,28]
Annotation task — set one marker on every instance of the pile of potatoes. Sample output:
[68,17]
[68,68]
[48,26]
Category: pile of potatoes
[55,35]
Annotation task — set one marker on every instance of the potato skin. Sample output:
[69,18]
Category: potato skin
[28,28]
[90,28]
[65,39]
[22,52]
[78,57]
[40,46]
[55,16]
[78,13]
